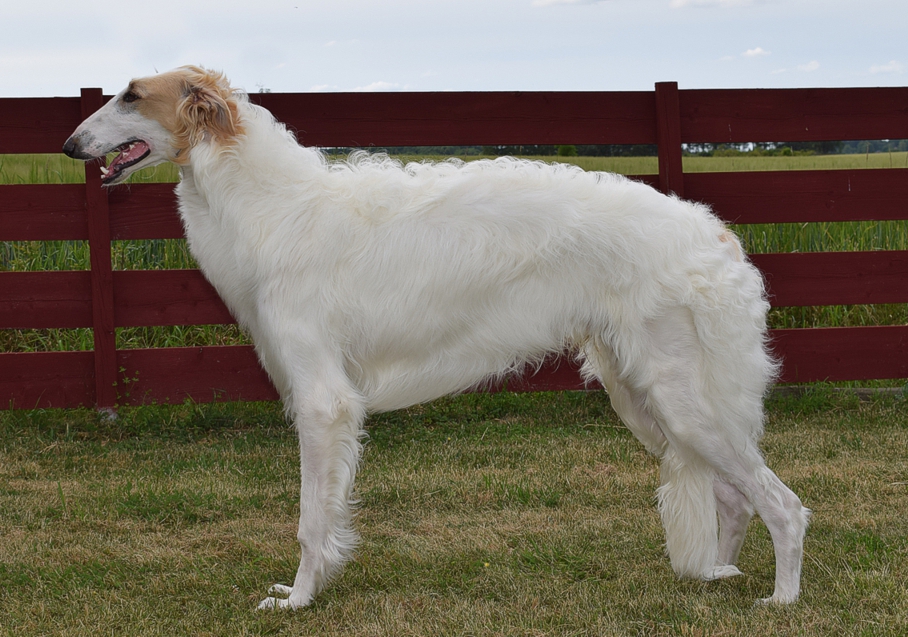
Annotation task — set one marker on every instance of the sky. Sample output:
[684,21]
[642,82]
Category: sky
[56,47]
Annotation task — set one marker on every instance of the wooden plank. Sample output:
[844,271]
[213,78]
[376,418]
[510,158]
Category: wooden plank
[232,373]
[835,278]
[802,196]
[43,212]
[842,353]
[65,379]
[101,271]
[668,133]
[649,180]
[39,300]
[37,124]
[46,380]
[207,374]
[793,115]
[166,297]
[808,355]
[144,211]
[557,373]
[201,374]
[461,119]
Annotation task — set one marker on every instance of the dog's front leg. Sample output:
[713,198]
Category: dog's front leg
[329,421]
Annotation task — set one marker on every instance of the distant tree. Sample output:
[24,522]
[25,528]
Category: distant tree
[617,150]
[567,151]
[524,149]
[820,148]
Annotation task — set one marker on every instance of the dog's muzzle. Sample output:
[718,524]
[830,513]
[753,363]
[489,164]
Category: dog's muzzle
[74,148]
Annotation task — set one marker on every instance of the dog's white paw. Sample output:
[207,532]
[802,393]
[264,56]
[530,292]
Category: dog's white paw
[721,571]
[280,589]
[278,602]
[270,603]
[776,600]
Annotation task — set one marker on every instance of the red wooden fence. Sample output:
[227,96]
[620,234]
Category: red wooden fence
[104,300]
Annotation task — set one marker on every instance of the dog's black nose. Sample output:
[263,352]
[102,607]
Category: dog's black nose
[69,148]
[72,149]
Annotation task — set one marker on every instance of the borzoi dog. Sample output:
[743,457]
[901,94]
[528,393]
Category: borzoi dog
[369,286]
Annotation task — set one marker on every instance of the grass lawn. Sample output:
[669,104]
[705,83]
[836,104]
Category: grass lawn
[481,515]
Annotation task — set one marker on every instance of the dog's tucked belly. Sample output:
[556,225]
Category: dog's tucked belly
[396,386]
[393,381]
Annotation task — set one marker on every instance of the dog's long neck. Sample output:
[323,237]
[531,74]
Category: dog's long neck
[227,202]
[233,177]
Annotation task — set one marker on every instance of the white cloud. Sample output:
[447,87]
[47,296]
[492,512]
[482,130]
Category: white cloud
[757,52]
[375,87]
[680,4]
[892,67]
[548,3]
[811,66]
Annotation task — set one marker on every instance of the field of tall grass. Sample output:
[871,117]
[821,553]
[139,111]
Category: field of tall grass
[166,254]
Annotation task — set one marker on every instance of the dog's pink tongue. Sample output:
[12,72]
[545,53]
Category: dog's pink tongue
[129,153]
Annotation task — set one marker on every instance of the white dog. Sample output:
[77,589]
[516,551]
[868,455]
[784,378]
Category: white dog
[368,286]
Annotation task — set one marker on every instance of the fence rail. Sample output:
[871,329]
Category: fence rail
[104,300]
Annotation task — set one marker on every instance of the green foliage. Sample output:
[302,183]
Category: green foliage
[567,151]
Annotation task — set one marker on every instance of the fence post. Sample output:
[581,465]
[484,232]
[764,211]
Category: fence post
[668,137]
[102,301]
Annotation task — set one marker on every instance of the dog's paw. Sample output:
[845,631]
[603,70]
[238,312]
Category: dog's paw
[721,571]
[278,602]
[270,603]
[777,600]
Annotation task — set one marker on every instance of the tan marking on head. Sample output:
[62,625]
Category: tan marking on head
[729,237]
[192,103]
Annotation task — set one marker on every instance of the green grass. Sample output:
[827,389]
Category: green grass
[56,169]
[481,515]
[60,169]
[162,254]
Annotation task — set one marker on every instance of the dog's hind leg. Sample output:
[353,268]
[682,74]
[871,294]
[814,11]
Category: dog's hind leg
[602,363]
[687,504]
[735,512]
[708,420]
[688,510]
[328,415]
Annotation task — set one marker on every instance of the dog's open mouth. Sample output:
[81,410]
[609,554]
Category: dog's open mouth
[128,154]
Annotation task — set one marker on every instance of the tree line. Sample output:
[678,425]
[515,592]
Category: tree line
[650,150]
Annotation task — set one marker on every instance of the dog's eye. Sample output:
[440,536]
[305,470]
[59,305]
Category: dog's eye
[130,97]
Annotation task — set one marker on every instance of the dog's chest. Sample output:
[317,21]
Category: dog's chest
[221,255]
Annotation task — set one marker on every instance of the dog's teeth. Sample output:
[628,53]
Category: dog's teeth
[104,170]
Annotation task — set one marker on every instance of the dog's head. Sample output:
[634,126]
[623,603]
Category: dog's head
[157,119]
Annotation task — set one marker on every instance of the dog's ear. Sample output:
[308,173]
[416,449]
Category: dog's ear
[207,112]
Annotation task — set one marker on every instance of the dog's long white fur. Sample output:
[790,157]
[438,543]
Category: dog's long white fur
[370,286]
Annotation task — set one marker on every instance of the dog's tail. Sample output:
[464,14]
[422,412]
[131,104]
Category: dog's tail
[688,509]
